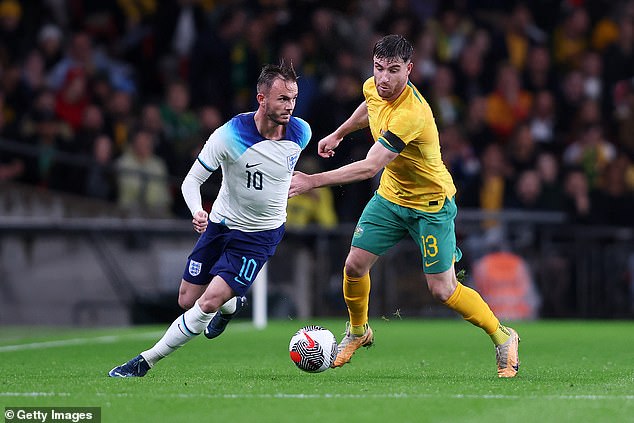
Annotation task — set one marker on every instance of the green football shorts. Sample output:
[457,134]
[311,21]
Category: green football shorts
[383,224]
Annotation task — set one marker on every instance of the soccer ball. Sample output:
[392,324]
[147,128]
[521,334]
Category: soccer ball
[313,349]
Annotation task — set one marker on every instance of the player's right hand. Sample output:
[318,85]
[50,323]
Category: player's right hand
[200,221]
[327,145]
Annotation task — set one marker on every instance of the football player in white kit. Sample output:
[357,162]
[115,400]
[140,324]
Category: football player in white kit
[257,153]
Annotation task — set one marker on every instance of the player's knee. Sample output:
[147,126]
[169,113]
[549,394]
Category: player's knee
[441,293]
[185,302]
[354,268]
[208,304]
[440,287]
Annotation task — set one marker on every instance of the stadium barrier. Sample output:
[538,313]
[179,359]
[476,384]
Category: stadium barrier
[114,270]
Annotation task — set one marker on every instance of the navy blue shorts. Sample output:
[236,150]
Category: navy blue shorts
[234,255]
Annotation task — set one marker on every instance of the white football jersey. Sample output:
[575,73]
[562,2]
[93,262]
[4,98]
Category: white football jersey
[256,172]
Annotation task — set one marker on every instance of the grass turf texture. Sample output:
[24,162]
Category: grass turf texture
[418,371]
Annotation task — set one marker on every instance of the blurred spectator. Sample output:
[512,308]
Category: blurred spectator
[522,150]
[120,119]
[179,122]
[177,23]
[591,151]
[606,29]
[477,131]
[613,203]
[72,99]
[151,121]
[624,115]
[92,125]
[577,203]
[49,43]
[101,90]
[399,19]
[214,45]
[458,155]
[425,61]
[618,57]
[570,39]
[570,98]
[79,56]
[142,178]
[100,180]
[43,102]
[12,31]
[588,113]
[210,119]
[249,52]
[469,80]
[490,189]
[45,140]
[528,192]
[32,78]
[592,71]
[509,104]
[552,189]
[538,74]
[451,31]
[542,121]
[446,105]
[520,33]
[13,104]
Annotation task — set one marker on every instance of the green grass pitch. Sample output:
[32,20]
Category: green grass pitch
[418,371]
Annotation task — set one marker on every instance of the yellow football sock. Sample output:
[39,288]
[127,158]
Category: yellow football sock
[501,335]
[356,292]
[472,307]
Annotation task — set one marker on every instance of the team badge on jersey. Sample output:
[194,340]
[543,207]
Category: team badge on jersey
[194,268]
[292,161]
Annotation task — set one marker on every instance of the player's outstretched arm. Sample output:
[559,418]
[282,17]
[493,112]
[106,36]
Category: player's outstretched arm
[378,157]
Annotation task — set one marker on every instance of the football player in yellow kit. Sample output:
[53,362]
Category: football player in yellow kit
[415,197]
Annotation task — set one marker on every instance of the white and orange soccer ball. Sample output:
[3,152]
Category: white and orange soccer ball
[313,349]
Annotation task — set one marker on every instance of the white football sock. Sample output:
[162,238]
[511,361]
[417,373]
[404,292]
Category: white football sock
[230,306]
[185,327]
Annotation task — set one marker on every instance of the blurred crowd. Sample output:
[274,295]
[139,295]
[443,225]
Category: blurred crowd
[534,101]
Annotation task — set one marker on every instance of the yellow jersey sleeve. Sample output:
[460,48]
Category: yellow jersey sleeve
[417,177]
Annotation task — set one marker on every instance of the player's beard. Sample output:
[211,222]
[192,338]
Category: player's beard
[277,118]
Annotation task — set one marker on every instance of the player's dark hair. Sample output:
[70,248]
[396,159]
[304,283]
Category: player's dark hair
[393,47]
[270,73]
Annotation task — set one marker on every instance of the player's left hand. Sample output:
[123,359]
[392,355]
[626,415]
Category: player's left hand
[300,183]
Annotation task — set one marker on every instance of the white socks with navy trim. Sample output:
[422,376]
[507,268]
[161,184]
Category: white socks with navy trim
[186,326]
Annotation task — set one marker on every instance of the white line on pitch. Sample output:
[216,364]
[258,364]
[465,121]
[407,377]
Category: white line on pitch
[106,339]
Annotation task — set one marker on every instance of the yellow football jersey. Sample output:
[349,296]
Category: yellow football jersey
[417,178]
